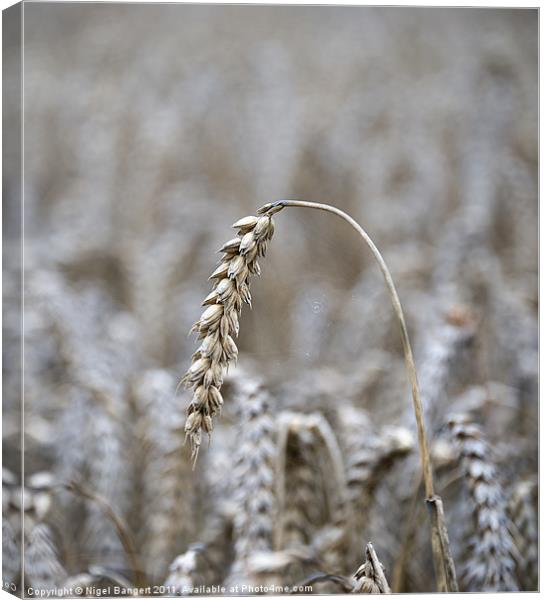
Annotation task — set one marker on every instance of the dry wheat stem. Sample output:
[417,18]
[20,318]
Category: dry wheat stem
[445,558]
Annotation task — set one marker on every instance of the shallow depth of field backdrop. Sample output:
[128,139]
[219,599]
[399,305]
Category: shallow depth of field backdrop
[149,130]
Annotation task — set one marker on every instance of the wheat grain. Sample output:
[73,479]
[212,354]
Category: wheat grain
[218,326]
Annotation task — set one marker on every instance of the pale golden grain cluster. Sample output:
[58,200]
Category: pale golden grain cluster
[218,325]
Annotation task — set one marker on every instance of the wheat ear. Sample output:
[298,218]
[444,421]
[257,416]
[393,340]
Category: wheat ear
[11,553]
[43,567]
[219,323]
[491,564]
[523,513]
[444,564]
[253,473]
[311,488]
[370,578]
[164,518]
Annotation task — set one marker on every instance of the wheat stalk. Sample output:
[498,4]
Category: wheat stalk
[218,326]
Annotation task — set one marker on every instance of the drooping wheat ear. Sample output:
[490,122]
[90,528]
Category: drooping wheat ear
[491,550]
[370,578]
[219,323]
[523,512]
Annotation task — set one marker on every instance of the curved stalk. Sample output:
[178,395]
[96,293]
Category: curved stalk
[444,563]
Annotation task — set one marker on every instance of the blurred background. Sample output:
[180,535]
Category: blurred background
[149,130]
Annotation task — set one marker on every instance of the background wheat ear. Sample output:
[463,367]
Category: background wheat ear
[43,564]
[370,578]
[206,562]
[218,325]
[253,474]
[370,455]
[164,519]
[490,561]
[522,510]
[311,491]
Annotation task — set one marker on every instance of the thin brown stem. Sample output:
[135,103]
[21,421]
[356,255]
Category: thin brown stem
[445,558]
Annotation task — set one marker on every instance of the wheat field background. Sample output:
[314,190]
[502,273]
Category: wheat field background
[149,130]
